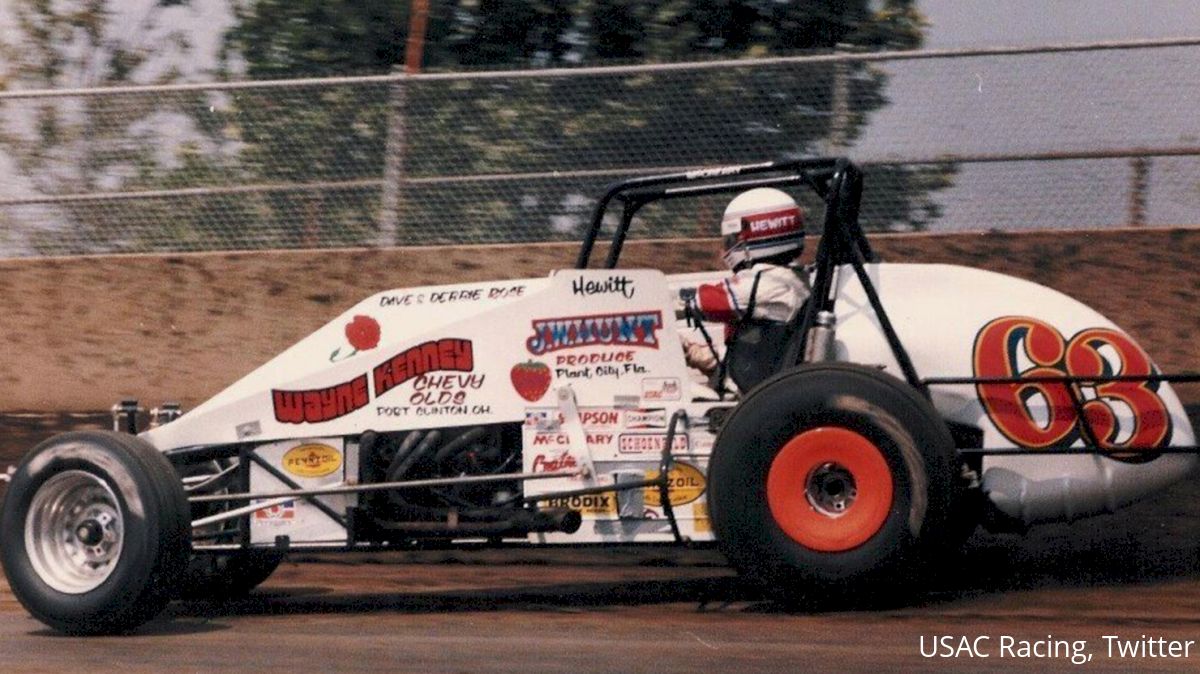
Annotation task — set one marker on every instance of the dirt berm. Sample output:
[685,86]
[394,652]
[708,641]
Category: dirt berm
[82,333]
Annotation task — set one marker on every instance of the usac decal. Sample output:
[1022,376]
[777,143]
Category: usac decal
[999,348]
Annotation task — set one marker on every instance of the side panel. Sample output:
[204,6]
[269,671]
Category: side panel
[625,445]
[962,322]
[453,356]
[319,462]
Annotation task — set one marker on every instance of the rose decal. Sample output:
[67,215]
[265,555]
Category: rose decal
[363,334]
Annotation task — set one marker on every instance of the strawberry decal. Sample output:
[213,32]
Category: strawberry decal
[363,334]
[531,379]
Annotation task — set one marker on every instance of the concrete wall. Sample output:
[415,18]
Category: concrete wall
[80,333]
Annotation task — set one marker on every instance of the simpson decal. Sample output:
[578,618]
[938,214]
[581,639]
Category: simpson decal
[639,329]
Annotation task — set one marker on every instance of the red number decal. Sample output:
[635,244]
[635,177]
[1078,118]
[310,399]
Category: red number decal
[1151,421]
[996,355]
[999,348]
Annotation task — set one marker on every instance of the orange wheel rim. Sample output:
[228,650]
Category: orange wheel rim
[830,489]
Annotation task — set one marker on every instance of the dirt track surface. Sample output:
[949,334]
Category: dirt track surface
[1133,575]
[658,611]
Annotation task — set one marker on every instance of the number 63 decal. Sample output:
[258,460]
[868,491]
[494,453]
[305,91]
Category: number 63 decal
[997,349]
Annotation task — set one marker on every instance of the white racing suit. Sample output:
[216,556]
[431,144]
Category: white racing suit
[777,295]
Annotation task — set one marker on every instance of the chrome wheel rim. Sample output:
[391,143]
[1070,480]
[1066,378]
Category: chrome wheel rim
[74,532]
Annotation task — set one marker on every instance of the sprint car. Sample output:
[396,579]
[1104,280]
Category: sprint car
[904,405]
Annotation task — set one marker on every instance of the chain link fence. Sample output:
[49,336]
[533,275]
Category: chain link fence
[1084,135]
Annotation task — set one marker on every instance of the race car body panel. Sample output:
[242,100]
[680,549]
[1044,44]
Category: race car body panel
[496,352]
[451,355]
[964,322]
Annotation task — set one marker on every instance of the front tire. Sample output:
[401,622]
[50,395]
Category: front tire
[96,532]
[830,478]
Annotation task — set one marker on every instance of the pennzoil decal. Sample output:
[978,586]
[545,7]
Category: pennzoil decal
[312,460]
[685,484]
[625,329]
[1009,340]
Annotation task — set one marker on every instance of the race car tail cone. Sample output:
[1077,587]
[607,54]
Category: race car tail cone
[829,489]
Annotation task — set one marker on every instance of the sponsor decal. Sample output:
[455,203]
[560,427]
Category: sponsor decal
[282,511]
[439,394]
[685,484]
[312,460]
[508,291]
[543,420]
[613,285]
[634,329]
[325,404]
[589,417]
[363,334]
[635,419]
[643,443]
[775,223]
[316,406]
[661,388]
[564,440]
[531,379]
[1007,342]
[456,355]
[549,464]
[615,364]
[590,504]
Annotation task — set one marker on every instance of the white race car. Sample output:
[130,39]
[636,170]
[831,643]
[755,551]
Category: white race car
[864,442]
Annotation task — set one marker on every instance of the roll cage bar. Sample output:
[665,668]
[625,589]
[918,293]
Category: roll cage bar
[839,183]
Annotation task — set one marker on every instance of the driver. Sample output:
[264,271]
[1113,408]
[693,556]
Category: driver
[762,234]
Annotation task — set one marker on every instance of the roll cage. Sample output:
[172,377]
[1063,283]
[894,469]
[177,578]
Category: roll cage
[839,184]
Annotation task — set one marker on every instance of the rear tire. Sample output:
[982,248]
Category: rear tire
[833,477]
[96,532]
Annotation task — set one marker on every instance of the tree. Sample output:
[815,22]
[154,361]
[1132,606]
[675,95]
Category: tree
[113,143]
[633,121]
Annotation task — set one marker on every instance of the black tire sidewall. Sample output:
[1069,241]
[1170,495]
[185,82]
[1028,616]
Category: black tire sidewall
[155,533]
[911,438]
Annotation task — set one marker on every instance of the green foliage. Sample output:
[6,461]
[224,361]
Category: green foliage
[538,125]
[324,134]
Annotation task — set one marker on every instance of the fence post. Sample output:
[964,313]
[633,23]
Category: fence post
[1139,184]
[393,166]
[839,104]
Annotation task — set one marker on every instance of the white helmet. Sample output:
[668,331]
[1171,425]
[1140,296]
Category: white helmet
[761,223]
